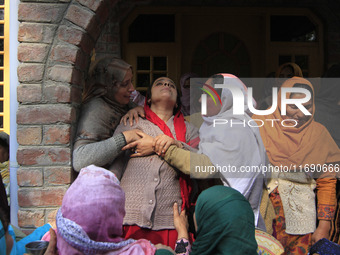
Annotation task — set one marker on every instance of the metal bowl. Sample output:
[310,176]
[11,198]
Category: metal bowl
[36,247]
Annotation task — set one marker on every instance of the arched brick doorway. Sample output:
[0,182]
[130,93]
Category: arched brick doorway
[56,41]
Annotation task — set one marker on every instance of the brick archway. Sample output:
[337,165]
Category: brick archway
[56,40]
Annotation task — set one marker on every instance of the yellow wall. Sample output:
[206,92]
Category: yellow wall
[4,83]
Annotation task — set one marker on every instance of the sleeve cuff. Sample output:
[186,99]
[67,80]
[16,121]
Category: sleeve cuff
[169,152]
[120,140]
[326,212]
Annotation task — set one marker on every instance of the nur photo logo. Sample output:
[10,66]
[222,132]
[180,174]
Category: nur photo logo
[240,102]
[204,98]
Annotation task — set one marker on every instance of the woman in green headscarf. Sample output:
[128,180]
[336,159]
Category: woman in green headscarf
[224,224]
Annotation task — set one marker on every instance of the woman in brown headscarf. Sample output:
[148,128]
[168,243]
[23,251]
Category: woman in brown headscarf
[284,72]
[288,70]
[295,146]
[106,99]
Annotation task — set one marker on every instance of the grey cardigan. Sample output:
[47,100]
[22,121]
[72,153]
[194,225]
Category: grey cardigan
[151,185]
[95,143]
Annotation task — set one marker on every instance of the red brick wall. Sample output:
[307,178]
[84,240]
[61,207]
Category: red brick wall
[56,42]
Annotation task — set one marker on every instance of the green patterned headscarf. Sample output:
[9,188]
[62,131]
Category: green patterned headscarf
[225,223]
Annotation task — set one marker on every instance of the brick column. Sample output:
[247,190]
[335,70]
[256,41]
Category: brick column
[56,40]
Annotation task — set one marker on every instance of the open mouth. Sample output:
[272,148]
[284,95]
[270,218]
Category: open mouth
[127,97]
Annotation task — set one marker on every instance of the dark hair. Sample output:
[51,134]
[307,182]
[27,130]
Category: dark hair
[178,99]
[4,144]
[4,220]
[304,86]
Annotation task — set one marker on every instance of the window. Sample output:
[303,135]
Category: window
[292,29]
[202,40]
[152,28]
[150,68]
[296,37]
[300,60]
[150,46]
[219,52]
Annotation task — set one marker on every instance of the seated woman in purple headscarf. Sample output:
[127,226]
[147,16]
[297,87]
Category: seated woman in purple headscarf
[91,217]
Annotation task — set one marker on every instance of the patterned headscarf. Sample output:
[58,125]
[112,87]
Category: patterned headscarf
[91,217]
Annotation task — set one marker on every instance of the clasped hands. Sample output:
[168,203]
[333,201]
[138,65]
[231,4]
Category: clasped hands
[143,144]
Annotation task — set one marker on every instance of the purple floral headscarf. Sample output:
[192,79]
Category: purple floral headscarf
[91,217]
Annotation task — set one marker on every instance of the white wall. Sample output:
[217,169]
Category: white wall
[13,50]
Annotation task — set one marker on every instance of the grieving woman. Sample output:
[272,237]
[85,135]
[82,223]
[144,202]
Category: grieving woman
[151,185]
[106,99]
